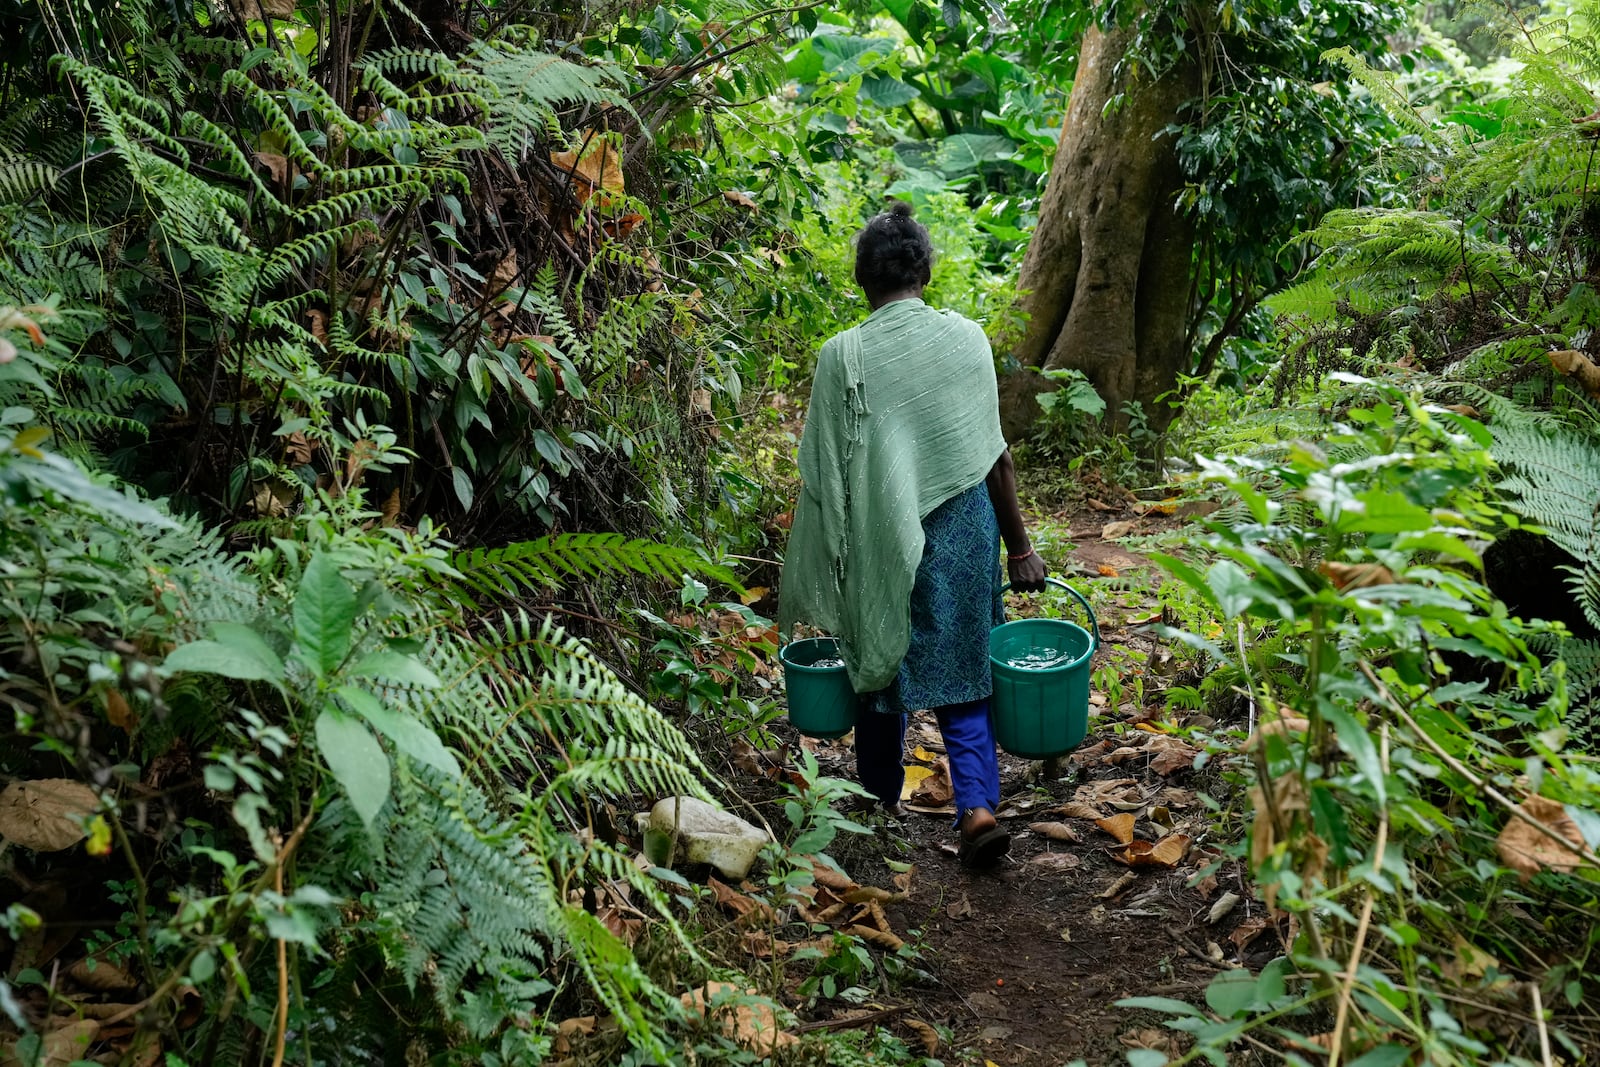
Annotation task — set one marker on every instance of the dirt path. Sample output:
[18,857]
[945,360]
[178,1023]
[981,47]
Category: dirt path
[1028,961]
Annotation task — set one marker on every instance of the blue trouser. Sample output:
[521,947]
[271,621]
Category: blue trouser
[968,743]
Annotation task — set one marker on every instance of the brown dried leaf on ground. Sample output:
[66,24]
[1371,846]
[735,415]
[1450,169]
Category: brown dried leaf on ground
[1119,827]
[1170,755]
[1168,852]
[1056,861]
[569,1029]
[1113,530]
[1158,1040]
[1074,809]
[935,789]
[46,814]
[746,910]
[102,977]
[927,1035]
[881,938]
[1055,831]
[1245,934]
[1123,794]
[960,909]
[1525,850]
[753,1025]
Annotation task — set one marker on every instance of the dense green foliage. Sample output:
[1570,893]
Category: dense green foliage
[348,350]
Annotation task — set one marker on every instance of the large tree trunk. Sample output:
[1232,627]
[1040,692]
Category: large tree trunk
[1107,275]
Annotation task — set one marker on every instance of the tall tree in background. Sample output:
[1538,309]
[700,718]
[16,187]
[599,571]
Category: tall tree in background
[1197,140]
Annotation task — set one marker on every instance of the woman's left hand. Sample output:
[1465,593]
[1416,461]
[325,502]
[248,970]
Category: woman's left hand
[1027,574]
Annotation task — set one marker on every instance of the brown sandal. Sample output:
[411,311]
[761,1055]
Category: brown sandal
[985,848]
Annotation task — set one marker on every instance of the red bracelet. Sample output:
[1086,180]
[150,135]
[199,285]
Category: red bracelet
[1018,559]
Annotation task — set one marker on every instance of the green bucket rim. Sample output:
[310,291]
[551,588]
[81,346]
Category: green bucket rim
[789,664]
[1059,668]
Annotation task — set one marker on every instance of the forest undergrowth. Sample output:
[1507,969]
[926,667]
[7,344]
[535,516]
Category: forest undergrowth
[397,406]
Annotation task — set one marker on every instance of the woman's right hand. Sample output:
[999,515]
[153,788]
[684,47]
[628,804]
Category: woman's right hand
[1027,574]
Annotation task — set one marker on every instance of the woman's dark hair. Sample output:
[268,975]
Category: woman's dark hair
[893,251]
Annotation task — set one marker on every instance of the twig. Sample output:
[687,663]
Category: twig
[1538,1018]
[283,981]
[1362,925]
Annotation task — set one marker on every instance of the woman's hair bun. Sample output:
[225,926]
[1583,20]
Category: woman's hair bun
[893,251]
[900,208]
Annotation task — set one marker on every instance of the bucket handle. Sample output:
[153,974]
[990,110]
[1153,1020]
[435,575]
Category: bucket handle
[1094,623]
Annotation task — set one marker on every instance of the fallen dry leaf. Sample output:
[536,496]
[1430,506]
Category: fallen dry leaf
[1119,885]
[915,775]
[1224,904]
[1150,1038]
[1055,831]
[1245,934]
[567,1029]
[735,197]
[1170,755]
[1523,848]
[1107,571]
[927,1035]
[1099,505]
[934,789]
[881,938]
[46,814]
[753,1025]
[1122,794]
[1119,827]
[1578,367]
[1168,852]
[102,977]
[960,909]
[1056,861]
[598,168]
[1074,809]
[1347,576]
[1113,530]
[746,910]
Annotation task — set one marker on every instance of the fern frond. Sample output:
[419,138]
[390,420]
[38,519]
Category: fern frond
[549,561]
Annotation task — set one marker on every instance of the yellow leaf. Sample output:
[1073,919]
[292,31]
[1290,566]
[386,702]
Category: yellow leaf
[99,843]
[923,755]
[914,777]
[753,594]
[25,441]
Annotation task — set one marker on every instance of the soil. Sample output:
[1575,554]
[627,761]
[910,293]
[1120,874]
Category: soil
[1028,960]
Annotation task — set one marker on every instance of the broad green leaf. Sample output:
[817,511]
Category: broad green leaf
[1383,1056]
[1146,1057]
[1270,985]
[410,736]
[1231,993]
[1166,1004]
[324,616]
[356,759]
[888,92]
[1384,512]
[388,665]
[1357,744]
[963,153]
[229,660]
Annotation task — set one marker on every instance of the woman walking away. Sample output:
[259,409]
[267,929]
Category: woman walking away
[895,548]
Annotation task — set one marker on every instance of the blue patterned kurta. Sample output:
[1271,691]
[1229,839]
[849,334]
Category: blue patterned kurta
[954,604]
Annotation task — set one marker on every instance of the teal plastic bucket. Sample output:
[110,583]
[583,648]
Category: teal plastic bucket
[1042,712]
[821,702]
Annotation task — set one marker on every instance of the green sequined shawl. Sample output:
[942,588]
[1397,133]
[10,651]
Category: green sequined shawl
[904,415]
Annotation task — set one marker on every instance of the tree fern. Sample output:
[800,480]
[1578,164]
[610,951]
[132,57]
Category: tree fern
[1553,479]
